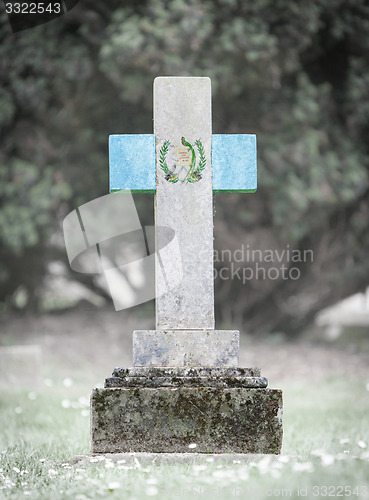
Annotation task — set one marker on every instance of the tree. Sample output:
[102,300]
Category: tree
[296,75]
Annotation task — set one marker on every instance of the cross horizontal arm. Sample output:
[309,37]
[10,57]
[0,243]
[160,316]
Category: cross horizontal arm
[132,163]
[233,158]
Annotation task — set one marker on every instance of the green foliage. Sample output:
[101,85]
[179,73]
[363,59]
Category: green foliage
[294,73]
[31,198]
[202,157]
[162,157]
[267,61]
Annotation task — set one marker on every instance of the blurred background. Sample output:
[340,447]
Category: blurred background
[294,73]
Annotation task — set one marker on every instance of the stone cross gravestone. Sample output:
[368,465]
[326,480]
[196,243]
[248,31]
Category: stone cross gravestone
[185,386]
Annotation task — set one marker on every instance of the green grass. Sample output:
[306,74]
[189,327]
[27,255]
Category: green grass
[323,424]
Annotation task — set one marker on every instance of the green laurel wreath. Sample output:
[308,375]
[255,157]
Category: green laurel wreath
[196,174]
[169,176]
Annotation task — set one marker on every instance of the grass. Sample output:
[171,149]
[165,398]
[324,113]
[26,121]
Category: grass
[325,425]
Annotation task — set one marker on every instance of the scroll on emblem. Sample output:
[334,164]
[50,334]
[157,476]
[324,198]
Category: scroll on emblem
[182,165]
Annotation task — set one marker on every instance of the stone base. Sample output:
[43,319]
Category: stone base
[223,413]
[185,347]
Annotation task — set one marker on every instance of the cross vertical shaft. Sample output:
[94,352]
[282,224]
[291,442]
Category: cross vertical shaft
[182,109]
[182,163]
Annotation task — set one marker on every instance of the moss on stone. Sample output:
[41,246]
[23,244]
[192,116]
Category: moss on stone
[218,420]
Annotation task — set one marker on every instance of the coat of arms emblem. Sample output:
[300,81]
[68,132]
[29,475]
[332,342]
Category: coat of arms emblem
[183,166]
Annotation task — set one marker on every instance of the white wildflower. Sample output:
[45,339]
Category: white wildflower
[199,467]
[340,456]
[67,382]
[264,464]
[327,460]
[83,401]
[152,491]
[275,473]
[277,465]
[192,446]
[114,485]
[303,467]
[222,473]
[243,474]
[361,444]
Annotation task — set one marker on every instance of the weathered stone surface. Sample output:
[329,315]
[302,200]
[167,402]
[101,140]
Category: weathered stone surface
[168,420]
[185,348]
[181,371]
[180,392]
[255,382]
[182,109]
